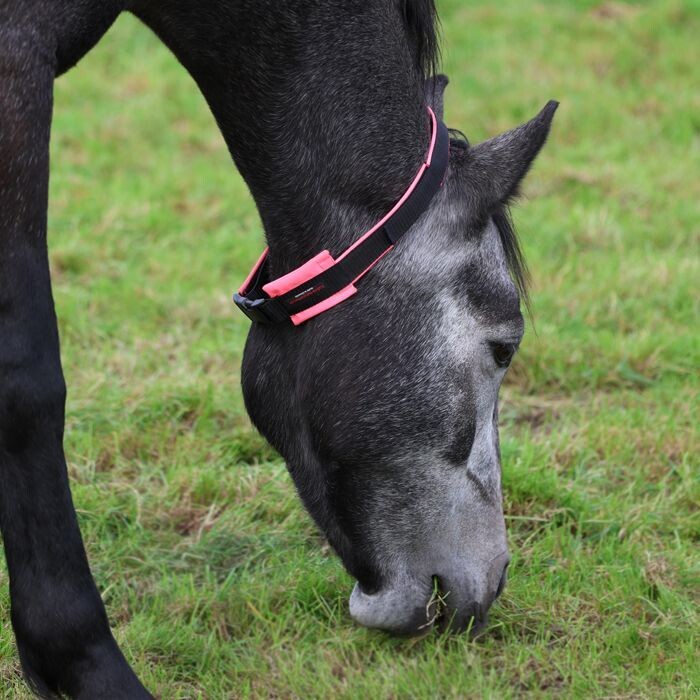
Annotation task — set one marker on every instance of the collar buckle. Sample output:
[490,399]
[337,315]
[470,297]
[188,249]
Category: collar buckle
[254,309]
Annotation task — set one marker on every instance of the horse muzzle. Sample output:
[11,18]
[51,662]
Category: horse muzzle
[451,602]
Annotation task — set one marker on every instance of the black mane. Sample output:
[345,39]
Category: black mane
[421,22]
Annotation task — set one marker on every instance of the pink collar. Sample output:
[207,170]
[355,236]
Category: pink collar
[323,282]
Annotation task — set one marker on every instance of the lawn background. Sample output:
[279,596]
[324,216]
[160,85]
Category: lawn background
[216,583]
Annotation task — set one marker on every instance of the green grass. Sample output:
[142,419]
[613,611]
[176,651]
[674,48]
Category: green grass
[216,583]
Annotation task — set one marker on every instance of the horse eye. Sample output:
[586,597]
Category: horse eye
[503,353]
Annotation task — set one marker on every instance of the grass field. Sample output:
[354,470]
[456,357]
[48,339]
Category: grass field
[216,582]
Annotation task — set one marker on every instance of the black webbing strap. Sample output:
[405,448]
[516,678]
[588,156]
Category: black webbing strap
[263,309]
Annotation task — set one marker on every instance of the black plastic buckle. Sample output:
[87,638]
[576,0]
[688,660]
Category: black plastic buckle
[254,309]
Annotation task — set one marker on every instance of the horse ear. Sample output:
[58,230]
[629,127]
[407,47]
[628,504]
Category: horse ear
[434,93]
[496,167]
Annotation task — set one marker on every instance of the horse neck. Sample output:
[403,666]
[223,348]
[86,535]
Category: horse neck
[333,174]
[321,107]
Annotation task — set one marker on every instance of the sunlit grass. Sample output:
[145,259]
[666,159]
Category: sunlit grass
[216,582]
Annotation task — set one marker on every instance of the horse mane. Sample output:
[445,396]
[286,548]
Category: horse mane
[420,18]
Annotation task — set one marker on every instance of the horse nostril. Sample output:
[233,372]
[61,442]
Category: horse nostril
[502,582]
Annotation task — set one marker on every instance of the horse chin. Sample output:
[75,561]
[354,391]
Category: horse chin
[404,608]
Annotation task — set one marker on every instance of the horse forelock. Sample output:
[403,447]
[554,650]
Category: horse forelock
[515,259]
